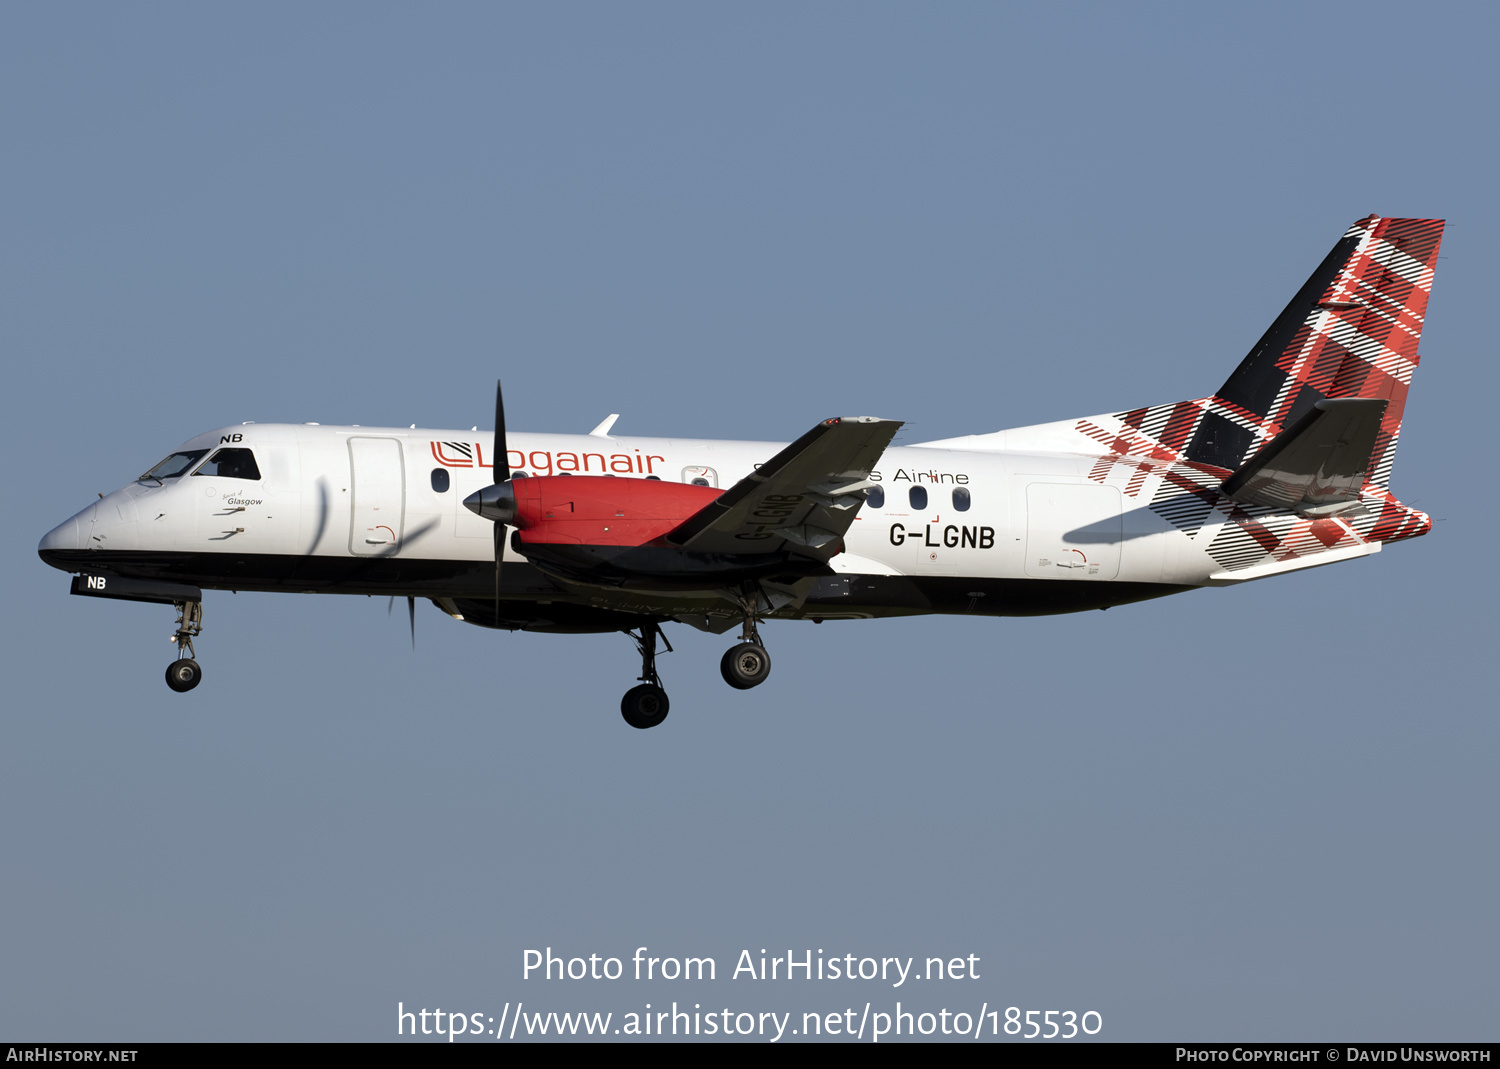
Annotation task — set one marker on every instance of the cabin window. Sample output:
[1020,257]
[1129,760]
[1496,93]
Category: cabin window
[961,499]
[918,498]
[875,497]
[440,480]
[174,465]
[231,464]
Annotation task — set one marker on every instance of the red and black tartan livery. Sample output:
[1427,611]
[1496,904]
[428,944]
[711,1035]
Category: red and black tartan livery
[1352,331]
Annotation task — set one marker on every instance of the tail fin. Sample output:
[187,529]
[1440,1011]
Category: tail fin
[1351,331]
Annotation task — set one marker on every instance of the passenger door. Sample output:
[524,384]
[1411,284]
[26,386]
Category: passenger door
[377,509]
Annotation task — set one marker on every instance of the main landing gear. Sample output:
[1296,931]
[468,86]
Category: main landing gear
[646,706]
[748,664]
[744,666]
[184,674]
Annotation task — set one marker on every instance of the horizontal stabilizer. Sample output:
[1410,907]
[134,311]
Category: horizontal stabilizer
[1317,465]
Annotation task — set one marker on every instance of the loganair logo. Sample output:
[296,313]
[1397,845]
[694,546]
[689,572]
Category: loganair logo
[546,462]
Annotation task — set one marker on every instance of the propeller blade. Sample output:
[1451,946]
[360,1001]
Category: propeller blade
[323,507]
[411,535]
[411,611]
[497,502]
[499,554]
[502,452]
[390,605]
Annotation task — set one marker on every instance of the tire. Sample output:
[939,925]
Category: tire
[644,706]
[183,675]
[746,665]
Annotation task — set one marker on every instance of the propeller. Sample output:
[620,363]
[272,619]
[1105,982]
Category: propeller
[497,502]
[411,611]
[323,507]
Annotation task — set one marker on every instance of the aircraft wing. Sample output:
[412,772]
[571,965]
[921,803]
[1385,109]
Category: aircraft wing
[803,499]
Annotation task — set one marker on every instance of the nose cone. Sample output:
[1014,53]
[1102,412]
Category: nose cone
[63,536]
[62,544]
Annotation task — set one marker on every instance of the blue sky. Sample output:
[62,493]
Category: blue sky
[1259,813]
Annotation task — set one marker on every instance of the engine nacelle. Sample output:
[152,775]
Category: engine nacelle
[597,510]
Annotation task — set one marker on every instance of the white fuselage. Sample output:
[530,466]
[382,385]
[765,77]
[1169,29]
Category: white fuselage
[352,492]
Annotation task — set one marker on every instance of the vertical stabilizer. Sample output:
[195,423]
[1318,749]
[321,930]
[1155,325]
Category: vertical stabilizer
[1351,331]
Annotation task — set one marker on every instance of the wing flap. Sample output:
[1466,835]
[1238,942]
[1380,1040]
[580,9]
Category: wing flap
[803,499]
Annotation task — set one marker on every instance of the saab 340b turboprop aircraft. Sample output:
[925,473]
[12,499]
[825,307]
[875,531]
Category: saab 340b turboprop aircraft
[1285,467]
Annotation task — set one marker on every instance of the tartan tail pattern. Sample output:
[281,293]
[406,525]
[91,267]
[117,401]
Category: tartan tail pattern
[1352,330]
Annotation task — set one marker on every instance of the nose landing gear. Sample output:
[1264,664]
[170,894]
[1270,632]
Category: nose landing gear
[184,673]
[646,706]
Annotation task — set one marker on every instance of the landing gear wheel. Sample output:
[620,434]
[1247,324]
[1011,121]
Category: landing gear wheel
[183,675]
[644,706]
[746,665]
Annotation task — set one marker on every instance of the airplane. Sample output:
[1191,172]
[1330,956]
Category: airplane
[1287,466]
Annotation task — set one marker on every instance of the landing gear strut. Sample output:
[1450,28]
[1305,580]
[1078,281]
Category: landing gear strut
[184,674]
[748,664]
[646,706]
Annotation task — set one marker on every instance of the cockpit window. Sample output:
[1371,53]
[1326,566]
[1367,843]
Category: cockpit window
[231,464]
[174,465]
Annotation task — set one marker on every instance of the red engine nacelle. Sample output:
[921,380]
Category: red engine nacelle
[596,510]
